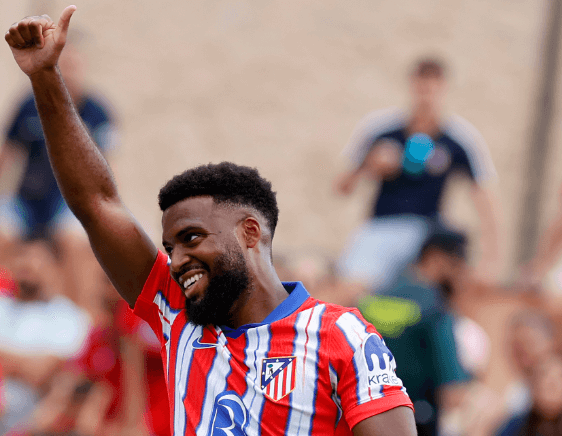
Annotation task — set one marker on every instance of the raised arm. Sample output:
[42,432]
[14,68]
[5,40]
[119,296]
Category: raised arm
[86,182]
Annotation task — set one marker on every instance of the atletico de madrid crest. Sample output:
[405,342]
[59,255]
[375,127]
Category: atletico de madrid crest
[278,376]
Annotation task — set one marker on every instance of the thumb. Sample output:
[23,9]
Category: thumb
[64,23]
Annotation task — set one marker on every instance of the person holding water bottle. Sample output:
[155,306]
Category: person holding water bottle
[411,154]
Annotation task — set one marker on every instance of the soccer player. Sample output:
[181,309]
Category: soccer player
[244,354]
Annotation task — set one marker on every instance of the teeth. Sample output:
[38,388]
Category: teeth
[191,280]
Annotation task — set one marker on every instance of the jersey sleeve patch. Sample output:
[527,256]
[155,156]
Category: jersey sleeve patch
[368,384]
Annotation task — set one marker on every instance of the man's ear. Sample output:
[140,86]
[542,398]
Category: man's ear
[252,231]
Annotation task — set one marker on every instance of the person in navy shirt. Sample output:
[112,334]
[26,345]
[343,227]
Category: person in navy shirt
[412,156]
[38,210]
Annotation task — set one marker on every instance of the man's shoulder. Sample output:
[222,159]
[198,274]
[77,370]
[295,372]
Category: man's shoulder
[384,120]
[334,314]
[463,133]
[370,128]
[467,140]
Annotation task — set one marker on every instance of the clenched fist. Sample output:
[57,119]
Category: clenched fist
[37,42]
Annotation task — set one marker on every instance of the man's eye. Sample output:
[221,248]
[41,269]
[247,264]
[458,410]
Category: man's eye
[168,250]
[191,237]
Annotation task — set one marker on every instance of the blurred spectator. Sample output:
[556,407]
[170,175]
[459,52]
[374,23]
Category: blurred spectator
[547,254]
[97,391]
[39,330]
[412,156]
[421,330]
[37,210]
[531,339]
[545,416]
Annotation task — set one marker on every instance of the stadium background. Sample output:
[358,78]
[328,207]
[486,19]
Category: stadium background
[280,85]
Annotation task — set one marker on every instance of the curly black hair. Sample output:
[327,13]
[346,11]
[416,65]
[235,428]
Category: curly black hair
[226,182]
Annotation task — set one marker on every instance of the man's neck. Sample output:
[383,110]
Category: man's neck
[266,294]
[424,120]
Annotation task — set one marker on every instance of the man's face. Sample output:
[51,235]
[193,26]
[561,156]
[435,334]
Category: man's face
[33,269]
[427,91]
[530,344]
[453,278]
[207,260]
[448,270]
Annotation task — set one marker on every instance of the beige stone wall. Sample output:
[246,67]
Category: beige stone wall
[280,85]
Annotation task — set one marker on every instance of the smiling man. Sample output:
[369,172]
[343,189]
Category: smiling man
[244,353]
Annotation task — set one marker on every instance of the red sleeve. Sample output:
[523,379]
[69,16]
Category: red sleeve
[126,322]
[366,370]
[161,299]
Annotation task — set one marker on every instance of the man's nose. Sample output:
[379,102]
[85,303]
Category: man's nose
[178,258]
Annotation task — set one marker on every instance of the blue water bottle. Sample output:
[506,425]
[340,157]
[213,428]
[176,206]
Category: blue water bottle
[419,148]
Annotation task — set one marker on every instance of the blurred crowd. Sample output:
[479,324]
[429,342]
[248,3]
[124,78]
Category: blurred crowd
[79,365]
[74,360]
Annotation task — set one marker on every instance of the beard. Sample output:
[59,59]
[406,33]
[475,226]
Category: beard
[226,287]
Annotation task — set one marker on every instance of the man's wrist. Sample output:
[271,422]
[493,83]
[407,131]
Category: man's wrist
[44,73]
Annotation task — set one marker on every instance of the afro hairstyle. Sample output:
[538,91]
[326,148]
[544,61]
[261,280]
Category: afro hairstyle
[226,183]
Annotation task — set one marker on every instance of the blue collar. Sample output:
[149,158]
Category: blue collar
[297,296]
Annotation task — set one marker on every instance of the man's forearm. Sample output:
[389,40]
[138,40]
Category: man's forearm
[488,212]
[82,173]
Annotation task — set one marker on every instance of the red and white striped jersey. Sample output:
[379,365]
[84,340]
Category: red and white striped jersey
[310,368]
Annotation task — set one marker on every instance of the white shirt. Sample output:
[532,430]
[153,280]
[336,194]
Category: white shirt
[56,327]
